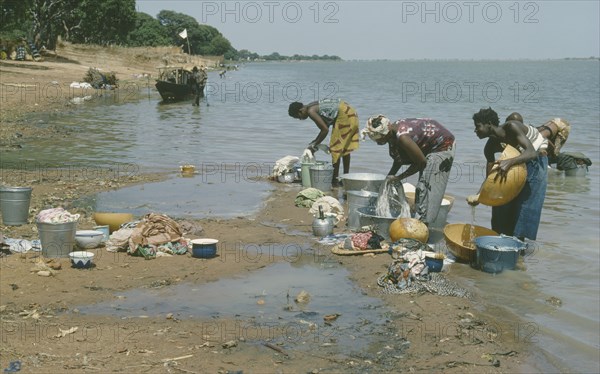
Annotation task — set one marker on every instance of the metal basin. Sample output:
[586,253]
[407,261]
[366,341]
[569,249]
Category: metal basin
[362,182]
[368,217]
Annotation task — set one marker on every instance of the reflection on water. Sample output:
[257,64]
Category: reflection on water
[196,196]
[330,290]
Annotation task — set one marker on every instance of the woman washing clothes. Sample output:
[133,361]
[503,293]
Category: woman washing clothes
[521,216]
[343,120]
[427,148]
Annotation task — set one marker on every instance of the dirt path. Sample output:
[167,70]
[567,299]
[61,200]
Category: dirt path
[41,326]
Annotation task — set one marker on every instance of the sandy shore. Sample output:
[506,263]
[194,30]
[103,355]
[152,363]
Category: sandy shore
[425,333]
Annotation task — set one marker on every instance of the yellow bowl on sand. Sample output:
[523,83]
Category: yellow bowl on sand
[113,220]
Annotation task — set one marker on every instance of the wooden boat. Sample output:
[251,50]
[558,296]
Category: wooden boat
[176,83]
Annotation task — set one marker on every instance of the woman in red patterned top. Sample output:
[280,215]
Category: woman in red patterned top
[426,147]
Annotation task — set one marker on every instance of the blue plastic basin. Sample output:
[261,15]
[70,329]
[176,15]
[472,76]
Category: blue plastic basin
[204,248]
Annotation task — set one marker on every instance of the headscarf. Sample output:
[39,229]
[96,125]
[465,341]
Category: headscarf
[376,128]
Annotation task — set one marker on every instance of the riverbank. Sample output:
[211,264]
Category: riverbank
[424,333]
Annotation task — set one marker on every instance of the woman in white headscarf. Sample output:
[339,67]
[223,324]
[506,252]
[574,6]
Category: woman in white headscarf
[426,147]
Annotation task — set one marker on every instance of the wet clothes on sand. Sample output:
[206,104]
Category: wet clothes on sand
[157,233]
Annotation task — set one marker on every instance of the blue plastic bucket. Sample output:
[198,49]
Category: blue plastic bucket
[496,253]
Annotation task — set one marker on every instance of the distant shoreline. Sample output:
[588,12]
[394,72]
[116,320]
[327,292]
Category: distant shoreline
[431,60]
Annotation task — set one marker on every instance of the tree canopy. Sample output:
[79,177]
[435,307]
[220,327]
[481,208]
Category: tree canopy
[116,22]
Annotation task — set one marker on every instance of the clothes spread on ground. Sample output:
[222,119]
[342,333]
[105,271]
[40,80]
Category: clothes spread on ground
[409,273]
[156,230]
[306,197]
[364,240]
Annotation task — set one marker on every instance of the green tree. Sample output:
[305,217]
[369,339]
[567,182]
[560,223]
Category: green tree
[219,45]
[15,20]
[148,32]
[48,19]
[105,22]
[174,23]
[204,39]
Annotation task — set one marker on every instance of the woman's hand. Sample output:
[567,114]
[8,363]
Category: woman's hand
[473,200]
[308,154]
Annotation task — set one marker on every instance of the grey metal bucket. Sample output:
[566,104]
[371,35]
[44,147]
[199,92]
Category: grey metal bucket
[362,181]
[57,239]
[356,200]
[305,172]
[368,217]
[14,204]
[321,176]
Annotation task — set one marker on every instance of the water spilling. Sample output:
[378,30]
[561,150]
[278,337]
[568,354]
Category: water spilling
[391,202]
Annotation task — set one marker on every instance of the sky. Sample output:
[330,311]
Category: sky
[397,30]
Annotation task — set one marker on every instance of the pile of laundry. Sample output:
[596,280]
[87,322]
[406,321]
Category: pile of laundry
[285,165]
[56,215]
[313,198]
[409,273]
[155,235]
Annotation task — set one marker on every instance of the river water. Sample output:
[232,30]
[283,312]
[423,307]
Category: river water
[237,134]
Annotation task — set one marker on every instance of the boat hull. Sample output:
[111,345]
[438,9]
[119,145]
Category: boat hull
[173,91]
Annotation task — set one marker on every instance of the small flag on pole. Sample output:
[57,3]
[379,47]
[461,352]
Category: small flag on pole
[183,34]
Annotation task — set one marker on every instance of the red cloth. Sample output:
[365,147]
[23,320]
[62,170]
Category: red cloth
[361,239]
